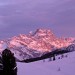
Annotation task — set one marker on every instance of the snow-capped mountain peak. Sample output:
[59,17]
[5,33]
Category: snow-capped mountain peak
[36,43]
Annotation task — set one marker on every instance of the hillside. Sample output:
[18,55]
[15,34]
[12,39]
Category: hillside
[64,66]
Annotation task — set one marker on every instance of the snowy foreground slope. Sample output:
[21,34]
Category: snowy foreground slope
[64,66]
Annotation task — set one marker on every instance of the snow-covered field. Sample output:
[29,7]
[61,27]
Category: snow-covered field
[64,66]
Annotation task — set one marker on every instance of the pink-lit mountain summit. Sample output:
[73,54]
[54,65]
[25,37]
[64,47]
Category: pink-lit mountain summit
[38,42]
[41,40]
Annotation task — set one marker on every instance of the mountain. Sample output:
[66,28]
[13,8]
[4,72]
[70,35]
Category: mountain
[35,44]
[64,66]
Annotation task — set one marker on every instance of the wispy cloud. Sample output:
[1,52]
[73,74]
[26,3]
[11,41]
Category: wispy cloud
[25,15]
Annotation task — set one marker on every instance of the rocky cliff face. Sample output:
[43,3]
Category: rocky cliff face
[35,43]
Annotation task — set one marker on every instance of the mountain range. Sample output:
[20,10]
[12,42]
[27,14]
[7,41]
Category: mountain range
[35,44]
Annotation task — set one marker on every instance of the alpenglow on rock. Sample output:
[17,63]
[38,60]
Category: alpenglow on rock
[35,44]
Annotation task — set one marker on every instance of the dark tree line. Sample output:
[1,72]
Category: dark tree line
[9,66]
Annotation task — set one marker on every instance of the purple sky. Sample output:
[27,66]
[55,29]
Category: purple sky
[22,16]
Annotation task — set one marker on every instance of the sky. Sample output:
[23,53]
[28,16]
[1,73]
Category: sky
[21,16]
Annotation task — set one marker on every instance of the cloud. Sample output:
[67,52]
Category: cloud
[3,25]
[22,16]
